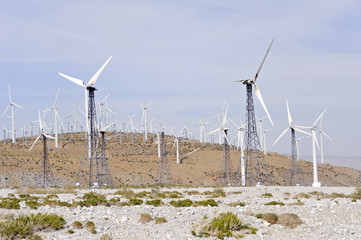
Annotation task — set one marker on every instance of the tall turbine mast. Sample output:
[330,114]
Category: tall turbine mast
[90,113]
[253,152]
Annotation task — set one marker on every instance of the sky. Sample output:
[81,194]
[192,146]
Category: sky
[182,55]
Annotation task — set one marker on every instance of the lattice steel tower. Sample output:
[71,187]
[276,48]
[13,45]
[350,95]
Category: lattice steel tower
[256,168]
[164,174]
[294,175]
[94,168]
[227,174]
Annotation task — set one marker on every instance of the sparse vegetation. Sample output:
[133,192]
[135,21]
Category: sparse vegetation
[181,203]
[93,199]
[25,226]
[208,202]
[160,220]
[10,203]
[235,204]
[225,225]
[70,231]
[106,236]
[267,195]
[274,203]
[301,195]
[289,220]
[145,217]
[298,203]
[77,225]
[90,226]
[135,201]
[272,218]
[155,202]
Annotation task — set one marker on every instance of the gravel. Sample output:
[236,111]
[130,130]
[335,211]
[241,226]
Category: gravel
[324,218]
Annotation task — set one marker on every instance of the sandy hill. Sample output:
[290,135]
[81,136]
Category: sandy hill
[135,164]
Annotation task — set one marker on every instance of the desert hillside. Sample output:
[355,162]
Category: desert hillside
[137,164]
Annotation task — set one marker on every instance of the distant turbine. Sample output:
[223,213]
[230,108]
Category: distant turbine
[144,117]
[12,105]
[315,183]
[56,118]
[240,144]
[321,142]
[176,142]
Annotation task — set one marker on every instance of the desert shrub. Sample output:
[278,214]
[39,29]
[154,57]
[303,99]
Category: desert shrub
[135,201]
[142,194]
[270,217]
[90,226]
[145,217]
[77,225]
[289,220]
[57,203]
[192,192]
[208,202]
[161,195]
[225,225]
[218,192]
[10,203]
[93,199]
[335,195]
[273,203]
[235,204]
[267,195]
[32,204]
[160,220]
[301,195]
[155,202]
[34,237]
[356,194]
[207,193]
[353,200]
[11,195]
[259,215]
[24,226]
[126,193]
[181,203]
[317,194]
[70,231]
[51,196]
[298,203]
[106,236]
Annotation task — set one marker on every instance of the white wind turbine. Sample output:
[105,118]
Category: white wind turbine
[89,84]
[131,122]
[202,131]
[223,129]
[76,118]
[101,110]
[240,144]
[321,142]
[12,105]
[144,117]
[176,143]
[260,131]
[56,118]
[264,141]
[315,183]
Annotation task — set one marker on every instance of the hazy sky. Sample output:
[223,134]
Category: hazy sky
[181,55]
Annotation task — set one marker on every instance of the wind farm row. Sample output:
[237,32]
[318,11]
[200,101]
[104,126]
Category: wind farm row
[95,120]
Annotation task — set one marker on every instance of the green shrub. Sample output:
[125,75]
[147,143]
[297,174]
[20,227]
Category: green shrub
[106,236]
[335,195]
[93,231]
[181,203]
[50,196]
[208,202]
[298,203]
[89,225]
[24,226]
[218,192]
[267,195]
[160,220]
[93,199]
[32,204]
[155,202]
[259,215]
[241,204]
[192,192]
[70,231]
[273,203]
[135,201]
[34,237]
[301,195]
[143,194]
[126,193]
[10,203]
[77,225]
[353,200]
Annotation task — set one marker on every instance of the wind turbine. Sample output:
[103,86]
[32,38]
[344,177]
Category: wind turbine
[240,144]
[76,118]
[321,141]
[294,167]
[253,145]
[45,136]
[101,110]
[315,183]
[88,88]
[56,117]
[227,173]
[176,142]
[144,117]
[12,105]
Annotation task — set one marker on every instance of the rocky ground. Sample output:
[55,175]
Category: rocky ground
[325,215]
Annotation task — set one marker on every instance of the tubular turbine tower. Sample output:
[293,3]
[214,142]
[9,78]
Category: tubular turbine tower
[255,165]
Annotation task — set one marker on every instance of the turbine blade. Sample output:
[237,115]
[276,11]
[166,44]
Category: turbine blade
[259,96]
[226,137]
[74,80]
[5,111]
[315,137]
[17,105]
[140,103]
[301,131]
[34,142]
[322,132]
[283,133]
[56,98]
[319,117]
[149,104]
[96,75]
[233,123]
[289,115]
[48,136]
[9,93]
[260,67]
[217,130]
